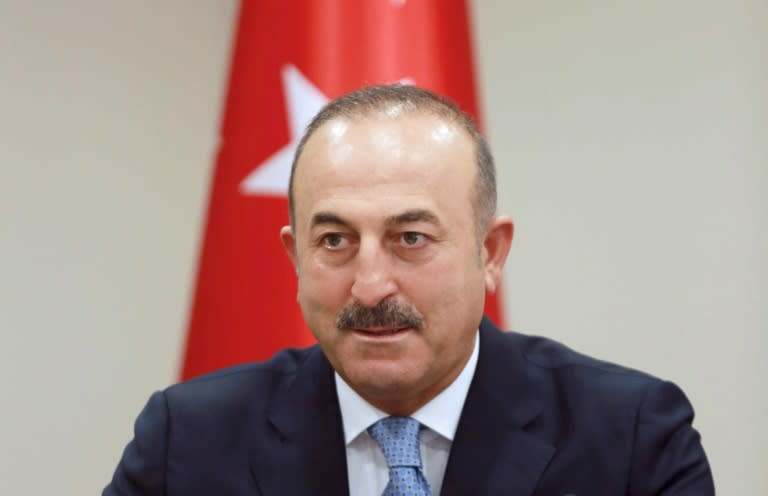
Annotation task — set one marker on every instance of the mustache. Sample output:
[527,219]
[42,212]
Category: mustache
[386,313]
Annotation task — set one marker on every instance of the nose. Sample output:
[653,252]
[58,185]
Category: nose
[374,279]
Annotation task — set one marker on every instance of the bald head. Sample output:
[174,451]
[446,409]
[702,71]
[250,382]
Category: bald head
[397,101]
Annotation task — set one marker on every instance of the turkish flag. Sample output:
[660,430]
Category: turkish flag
[290,57]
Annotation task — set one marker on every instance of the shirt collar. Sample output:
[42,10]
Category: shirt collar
[441,414]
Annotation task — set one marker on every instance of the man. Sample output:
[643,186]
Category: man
[395,240]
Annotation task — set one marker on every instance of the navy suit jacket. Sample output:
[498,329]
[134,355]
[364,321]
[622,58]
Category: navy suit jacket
[539,419]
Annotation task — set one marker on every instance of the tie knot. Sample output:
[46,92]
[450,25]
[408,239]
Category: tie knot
[398,438]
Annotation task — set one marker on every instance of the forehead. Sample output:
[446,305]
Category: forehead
[423,159]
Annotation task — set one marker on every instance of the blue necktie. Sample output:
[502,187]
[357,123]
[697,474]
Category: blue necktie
[398,438]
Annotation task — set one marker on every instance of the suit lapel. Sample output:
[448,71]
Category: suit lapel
[308,455]
[493,452]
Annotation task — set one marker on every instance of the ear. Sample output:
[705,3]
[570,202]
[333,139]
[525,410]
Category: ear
[289,244]
[498,240]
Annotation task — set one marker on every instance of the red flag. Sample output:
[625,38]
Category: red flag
[290,57]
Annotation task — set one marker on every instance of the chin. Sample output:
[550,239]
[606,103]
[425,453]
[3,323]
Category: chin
[389,379]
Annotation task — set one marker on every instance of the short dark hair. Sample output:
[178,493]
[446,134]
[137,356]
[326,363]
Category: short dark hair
[370,100]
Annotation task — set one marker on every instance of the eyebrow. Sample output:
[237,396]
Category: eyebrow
[407,217]
[416,215]
[327,218]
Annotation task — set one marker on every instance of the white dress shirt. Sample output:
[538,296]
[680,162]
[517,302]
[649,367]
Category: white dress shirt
[366,466]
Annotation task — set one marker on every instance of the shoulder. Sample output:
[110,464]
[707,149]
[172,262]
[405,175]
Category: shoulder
[247,385]
[638,424]
[598,386]
[564,379]
[549,355]
[195,434]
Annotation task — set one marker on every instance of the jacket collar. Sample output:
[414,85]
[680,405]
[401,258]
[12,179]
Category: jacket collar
[494,452]
[307,455]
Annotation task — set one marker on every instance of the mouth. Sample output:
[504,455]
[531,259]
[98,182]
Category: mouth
[381,332]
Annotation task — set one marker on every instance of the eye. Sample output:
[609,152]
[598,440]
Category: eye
[412,239]
[334,241]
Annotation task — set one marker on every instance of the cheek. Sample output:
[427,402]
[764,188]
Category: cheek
[439,287]
[450,292]
[322,290]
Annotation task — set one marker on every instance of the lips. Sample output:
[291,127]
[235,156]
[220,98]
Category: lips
[382,331]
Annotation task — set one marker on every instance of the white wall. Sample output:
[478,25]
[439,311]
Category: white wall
[629,137]
[108,122]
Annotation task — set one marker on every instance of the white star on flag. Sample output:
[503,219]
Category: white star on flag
[303,100]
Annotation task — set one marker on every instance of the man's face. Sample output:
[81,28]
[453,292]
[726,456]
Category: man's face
[391,275]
